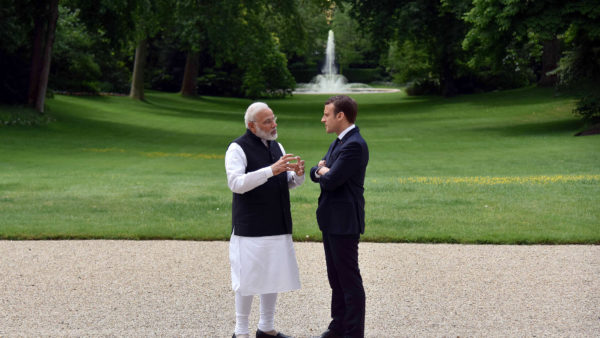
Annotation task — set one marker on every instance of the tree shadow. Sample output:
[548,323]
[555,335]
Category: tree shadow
[564,126]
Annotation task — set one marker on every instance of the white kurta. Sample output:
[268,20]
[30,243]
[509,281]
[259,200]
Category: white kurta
[264,264]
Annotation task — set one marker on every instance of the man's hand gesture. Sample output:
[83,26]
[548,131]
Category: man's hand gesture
[284,165]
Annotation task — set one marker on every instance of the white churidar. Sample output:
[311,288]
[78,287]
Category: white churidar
[243,305]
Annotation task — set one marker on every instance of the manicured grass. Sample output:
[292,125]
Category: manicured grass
[500,167]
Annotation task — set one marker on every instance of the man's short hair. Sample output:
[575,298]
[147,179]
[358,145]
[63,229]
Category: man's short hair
[252,110]
[346,104]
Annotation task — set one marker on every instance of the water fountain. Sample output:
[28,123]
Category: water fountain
[329,81]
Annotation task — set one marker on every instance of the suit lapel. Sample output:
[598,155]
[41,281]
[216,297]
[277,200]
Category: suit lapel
[332,148]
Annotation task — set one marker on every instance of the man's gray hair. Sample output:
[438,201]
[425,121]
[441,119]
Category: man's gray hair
[252,110]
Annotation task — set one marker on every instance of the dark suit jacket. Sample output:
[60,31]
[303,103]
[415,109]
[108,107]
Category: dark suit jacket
[341,207]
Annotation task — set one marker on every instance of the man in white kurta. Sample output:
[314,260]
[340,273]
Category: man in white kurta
[261,251]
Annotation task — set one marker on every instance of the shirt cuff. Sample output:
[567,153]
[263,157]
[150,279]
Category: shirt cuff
[316,171]
[267,171]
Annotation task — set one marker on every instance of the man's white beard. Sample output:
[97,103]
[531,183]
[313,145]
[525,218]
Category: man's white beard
[265,136]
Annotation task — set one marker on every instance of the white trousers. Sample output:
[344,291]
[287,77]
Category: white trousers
[243,305]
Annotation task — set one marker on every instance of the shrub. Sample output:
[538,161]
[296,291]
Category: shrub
[363,75]
[221,82]
[22,116]
[424,87]
[588,108]
[266,73]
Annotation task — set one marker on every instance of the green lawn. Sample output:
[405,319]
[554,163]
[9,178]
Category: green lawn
[500,167]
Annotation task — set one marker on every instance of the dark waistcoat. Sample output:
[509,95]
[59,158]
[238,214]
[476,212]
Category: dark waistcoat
[264,210]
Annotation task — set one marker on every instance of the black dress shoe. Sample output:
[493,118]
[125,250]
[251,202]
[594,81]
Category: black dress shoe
[260,334]
[329,334]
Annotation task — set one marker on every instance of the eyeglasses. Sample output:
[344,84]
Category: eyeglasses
[268,122]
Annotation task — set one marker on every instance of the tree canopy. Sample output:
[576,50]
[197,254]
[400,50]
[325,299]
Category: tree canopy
[251,48]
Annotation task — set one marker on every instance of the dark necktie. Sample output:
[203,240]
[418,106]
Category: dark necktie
[337,141]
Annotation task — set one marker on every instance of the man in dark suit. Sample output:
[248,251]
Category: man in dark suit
[341,215]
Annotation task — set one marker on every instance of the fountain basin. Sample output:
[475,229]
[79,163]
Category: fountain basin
[330,82]
[305,88]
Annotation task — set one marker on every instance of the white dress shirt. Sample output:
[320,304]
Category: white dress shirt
[342,134]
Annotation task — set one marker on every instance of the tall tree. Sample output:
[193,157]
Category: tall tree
[28,30]
[533,31]
[139,65]
[15,50]
[351,45]
[259,53]
[45,27]
[193,26]
[190,74]
[240,33]
[435,26]
[510,35]
[108,29]
[149,16]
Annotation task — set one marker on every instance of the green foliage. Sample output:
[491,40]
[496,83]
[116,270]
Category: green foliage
[242,38]
[112,21]
[432,27]
[84,60]
[507,36]
[456,46]
[408,62]
[23,116]
[266,73]
[150,17]
[285,20]
[352,47]
[257,53]
[588,108]
[580,68]
[423,87]
[364,75]
[222,82]
[313,21]
[16,26]
[74,67]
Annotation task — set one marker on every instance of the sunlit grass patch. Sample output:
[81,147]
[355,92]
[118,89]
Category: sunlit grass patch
[160,153]
[487,180]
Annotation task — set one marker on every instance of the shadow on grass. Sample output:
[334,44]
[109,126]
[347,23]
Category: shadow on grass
[564,126]
[395,105]
[89,130]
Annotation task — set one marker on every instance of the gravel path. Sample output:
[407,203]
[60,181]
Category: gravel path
[175,288]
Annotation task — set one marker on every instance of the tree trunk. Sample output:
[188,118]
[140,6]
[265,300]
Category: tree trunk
[550,58]
[36,60]
[447,75]
[190,75]
[45,71]
[137,82]
[42,55]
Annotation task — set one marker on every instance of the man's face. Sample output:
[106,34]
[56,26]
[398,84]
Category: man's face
[332,122]
[264,125]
